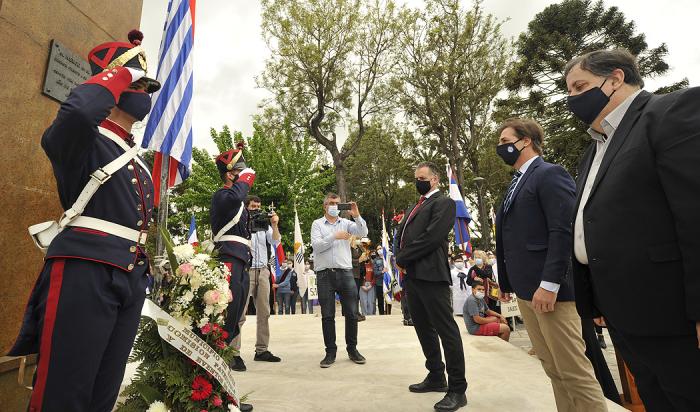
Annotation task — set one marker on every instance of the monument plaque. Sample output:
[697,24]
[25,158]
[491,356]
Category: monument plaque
[64,71]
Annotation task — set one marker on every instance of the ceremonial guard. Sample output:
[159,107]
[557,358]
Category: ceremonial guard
[84,311]
[229,223]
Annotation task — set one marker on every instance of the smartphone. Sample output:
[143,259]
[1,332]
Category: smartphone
[344,206]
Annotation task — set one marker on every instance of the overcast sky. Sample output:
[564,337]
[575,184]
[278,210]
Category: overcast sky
[230,52]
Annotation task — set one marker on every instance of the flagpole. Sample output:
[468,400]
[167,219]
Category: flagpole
[163,205]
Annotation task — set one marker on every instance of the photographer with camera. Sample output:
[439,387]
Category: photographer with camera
[330,238]
[264,236]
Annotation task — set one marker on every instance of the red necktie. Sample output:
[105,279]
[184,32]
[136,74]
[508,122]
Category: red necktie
[410,216]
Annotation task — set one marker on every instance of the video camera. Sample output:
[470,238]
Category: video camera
[260,220]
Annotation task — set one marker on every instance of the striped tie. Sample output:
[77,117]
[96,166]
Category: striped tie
[511,190]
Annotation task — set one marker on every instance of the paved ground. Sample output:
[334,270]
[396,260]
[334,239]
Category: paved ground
[501,375]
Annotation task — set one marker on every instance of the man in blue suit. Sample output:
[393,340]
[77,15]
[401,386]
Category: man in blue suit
[533,240]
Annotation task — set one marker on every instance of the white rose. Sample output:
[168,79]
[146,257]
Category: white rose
[183,252]
[208,310]
[188,296]
[203,322]
[157,407]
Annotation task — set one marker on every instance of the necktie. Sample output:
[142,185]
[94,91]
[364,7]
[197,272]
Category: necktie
[511,190]
[413,212]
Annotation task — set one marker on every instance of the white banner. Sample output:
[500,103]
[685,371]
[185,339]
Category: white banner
[183,339]
[312,286]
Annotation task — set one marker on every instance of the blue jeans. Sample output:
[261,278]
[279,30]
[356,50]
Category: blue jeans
[330,282]
[284,300]
[367,301]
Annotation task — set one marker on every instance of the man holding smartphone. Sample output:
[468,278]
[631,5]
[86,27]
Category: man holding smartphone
[330,239]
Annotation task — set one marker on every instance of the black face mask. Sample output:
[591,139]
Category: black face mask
[588,105]
[508,152]
[136,104]
[423,186]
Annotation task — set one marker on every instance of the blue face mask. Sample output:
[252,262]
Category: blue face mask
[333,210]
[136,104]
[479,262]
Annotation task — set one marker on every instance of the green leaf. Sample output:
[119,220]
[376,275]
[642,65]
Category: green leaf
[148,393]
[168,241]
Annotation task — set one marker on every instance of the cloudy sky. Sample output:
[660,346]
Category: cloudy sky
[230,51]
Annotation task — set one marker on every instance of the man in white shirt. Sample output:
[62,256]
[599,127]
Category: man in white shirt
[330,239]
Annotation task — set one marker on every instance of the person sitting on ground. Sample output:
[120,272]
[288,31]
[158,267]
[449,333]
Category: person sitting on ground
[479,319]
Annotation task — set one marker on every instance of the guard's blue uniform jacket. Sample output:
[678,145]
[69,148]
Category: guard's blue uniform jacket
[76,149]
[224,206]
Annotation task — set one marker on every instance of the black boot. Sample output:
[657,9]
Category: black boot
[356,357]
[429,385]
[328,360]
[237,364]
[245,407]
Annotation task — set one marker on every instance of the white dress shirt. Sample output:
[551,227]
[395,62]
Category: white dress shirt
[259,241]
[610,125]
[332,253]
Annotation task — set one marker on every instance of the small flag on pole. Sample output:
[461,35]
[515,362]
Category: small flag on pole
[279,258]
[169,127]
[192,235]
[463,217]
[390,284]
[299,264]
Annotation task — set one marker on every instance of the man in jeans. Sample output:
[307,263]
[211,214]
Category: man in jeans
[330,239]
[261,241]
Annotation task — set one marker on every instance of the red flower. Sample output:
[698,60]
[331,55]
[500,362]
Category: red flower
[220,344]
[216,401]
[224,335]
[201,388]
[229,397]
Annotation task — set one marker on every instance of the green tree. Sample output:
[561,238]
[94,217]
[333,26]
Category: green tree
[329,66]
[556,35]
[380,174]
[453,64]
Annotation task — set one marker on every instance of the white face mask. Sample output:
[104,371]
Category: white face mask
[479,295]
[333,210]
[459,265]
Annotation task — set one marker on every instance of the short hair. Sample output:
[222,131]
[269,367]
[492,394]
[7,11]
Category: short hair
[430,165]
[329,196]
[478,283]
[604,62]
[525,128]
[252,198]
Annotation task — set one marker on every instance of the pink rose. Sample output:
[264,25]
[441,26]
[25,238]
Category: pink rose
[220,344]
[212,297]
[216,400]
[186,268]
[206,329]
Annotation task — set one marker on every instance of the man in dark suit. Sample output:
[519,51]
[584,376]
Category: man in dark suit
[422,257]
[533,240]
[637,219]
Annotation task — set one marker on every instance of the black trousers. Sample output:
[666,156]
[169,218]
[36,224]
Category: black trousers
[666,369]
[405,309]
[600,365]
[82,317]
[240,286]
[330,282]
[379,294]
[431,313]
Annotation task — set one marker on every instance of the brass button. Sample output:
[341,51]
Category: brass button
[130,267]
[148,196]
[132,249]
[141,262]
[130,167]
[139,223]
[138,207]
[133,181]
[145,182]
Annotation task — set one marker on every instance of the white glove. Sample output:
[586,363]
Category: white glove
[247,171]
[136,74]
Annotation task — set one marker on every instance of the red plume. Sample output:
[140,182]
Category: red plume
[240,145]
[135,37]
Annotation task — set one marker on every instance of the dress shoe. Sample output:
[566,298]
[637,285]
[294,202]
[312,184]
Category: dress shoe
[237,364]
[245,407]
[328,360]
[266,357]
[601,341]
[428,386]
[361,318]
[451,402]
[356,357]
